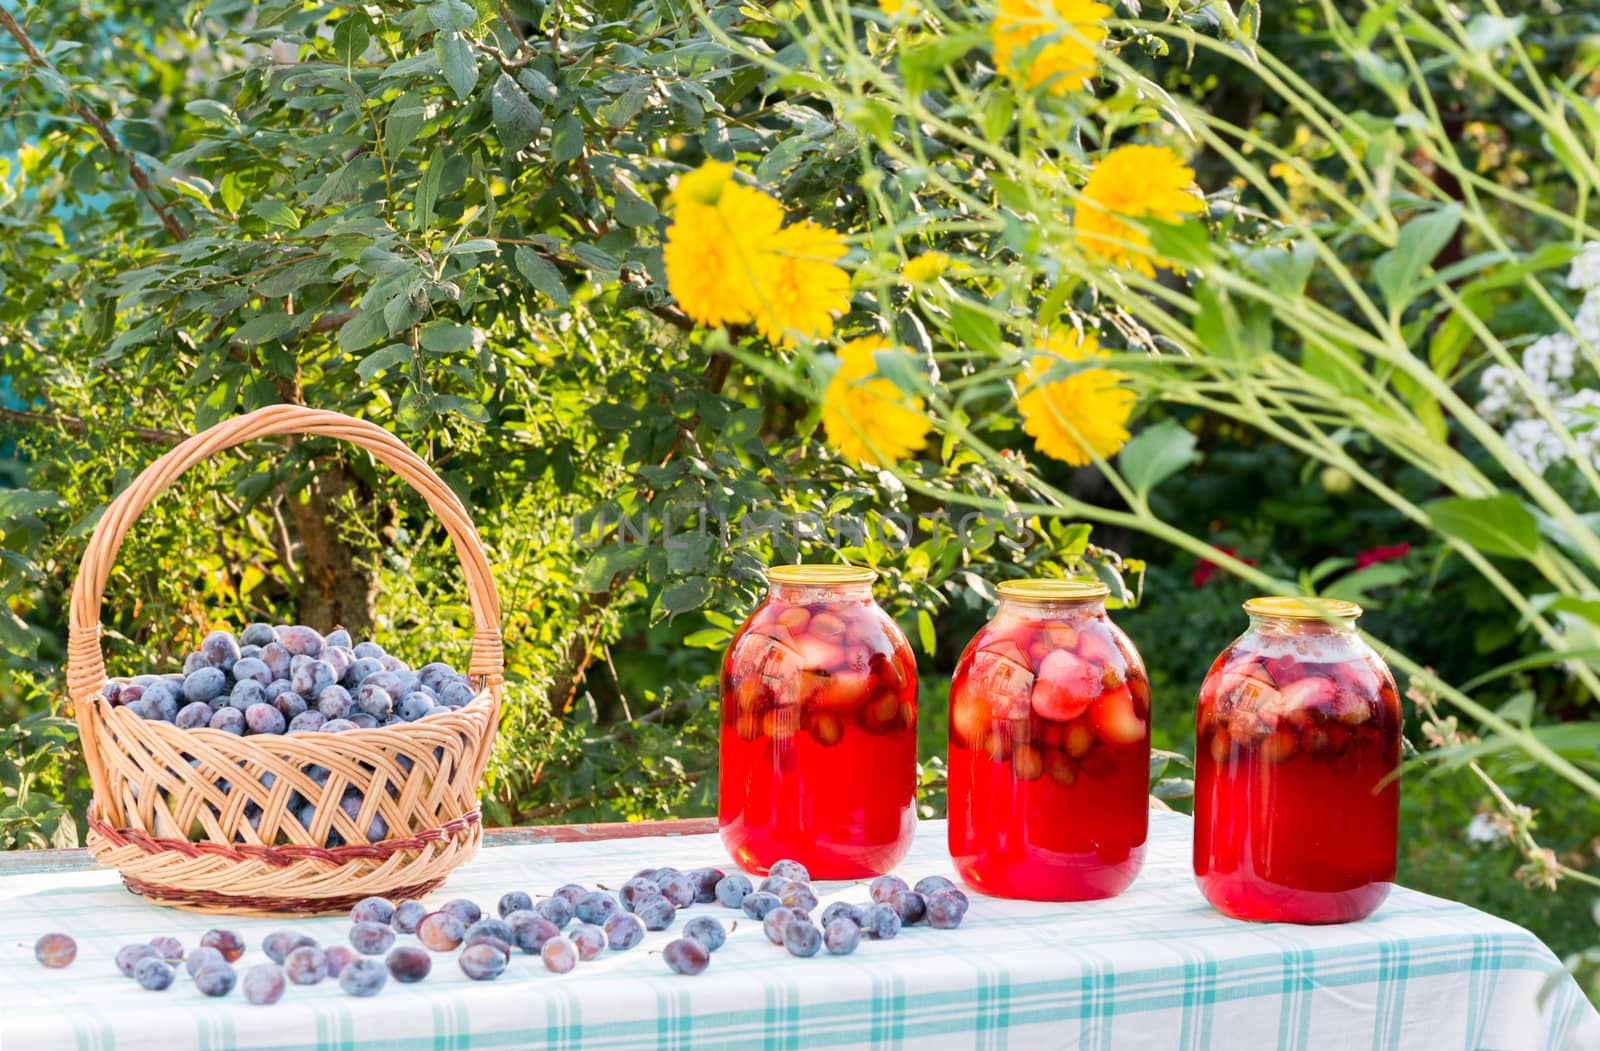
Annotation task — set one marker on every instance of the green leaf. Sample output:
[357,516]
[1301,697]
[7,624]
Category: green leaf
[414,413]
[1421,239]
[428,189]
[974,327]
[459,65]
[472,410]
[446,337]
[925,632]
[1156,454]
[604,565]
[516,118]
[264,327]
[404,123]
[350,40]
[707,639]
[455,15]
[541,274]
[276,213]
[211,111]
[683,597]
[633,210]
[363,330]
[395,354]
[566,139]
[1495,525]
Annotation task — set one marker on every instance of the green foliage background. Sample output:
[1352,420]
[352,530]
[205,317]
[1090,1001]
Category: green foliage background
[446,217]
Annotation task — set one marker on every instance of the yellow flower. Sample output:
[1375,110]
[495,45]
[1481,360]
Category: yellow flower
[1066,61]
[798,286]
[1133,182]
[865,416]
[899,10]
[1086,411]
[927,267]
[718,232]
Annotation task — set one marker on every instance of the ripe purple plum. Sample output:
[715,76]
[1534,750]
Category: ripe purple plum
[928,886]
[228,720]
[215,979]
[841,936]
[128,957]
[947,909]
[572,892]
[656,913]
[490,927]
[153,973]
[679,889]
[339,957]
[482,962]
[371,939]
[264,719]
[408,964]
[203,957]
[733,889]
[220,649]
[788,869]
[882,922]
[885,887]
[590,940]
[560,954]
[279,944]
[363,977]
[441,931]
[407,915]
[596,906]
[464,910]
[686,956]
[55,950]
[757,905]
[705,882]
[911,906]
[309,721]
[557,910]
[372,910]
[263,984]
[708,931]
[306,965]
[530,930]
[205,683]
[300,641]
[624,931]
[802,938]
[636,889]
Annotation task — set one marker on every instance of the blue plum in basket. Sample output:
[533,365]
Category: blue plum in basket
[801,937]
[306,965]
[372,910]
[911,906]
[408,964]
[374,700]
[757,905]
[656,913]
[363,721]
[339,658]
[559,954]
[787,869]
[229,944]
[407,915]
[191,663]
[263,984]
[363,977]
[246,693]
[415,706]
[572,892]
[279,944]
[463,909]
[307,722]
[947,909]
[596,906]
[370,650]
[557,910]
[290,705]
[637,889]
[705,884]
[335,702]
[490,927]
[885,887]
[841,936]
[686,956]
[530,930]
[338,726]
[624,931]
[277,659]
[371,939]
[300,640]
[435,675]
[203,957]
[220,649]
[55,950]
[277,688]
[202,684]
[193,716]
[441,931]
[228,720]
[215,980]
[707,931]
[312,677]
[679,889]
[389,682]
[732,890]
[483,962]
[160,701]
[264,719]
[883,922]
[359,670]
[258,634]
[247,668]
[457,693]
[590,940]
[153,973]
[337,637]
[928,886]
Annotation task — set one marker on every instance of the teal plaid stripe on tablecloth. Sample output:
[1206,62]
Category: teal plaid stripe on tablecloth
[1155,968]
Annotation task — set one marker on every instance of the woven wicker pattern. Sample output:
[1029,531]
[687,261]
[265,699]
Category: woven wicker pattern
[201,818]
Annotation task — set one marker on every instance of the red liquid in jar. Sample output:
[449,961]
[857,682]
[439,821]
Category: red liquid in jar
[819,744]
[1049,759]
[1296,802]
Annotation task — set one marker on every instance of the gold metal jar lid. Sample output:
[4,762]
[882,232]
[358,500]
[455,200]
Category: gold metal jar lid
[1040,589]
[821,575]
[1292,607]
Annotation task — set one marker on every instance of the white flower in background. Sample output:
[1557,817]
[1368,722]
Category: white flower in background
[1553,367]
[1585,272]
[1485,828]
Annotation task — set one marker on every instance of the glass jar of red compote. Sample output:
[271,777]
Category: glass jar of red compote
[1296,799]
[1049,748]
[819,729]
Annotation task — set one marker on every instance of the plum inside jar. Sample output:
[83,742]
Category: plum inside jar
[818,742]
[1049,748]
[1297,751]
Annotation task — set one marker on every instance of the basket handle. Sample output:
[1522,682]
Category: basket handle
[86,671]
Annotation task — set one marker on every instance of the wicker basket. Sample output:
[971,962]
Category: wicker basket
[169,808]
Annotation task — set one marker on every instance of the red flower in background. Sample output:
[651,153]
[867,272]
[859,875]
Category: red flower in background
[1206,569]
[1373,555]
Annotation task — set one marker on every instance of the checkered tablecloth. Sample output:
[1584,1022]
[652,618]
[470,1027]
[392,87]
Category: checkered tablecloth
[1155,968]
